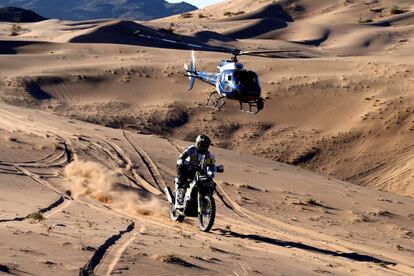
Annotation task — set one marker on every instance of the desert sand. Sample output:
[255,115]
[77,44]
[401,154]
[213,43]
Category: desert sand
[92,119]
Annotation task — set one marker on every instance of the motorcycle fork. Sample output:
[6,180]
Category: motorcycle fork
[199,202]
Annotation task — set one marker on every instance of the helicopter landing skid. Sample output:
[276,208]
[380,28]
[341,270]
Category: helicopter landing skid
[215,101]
[254,106]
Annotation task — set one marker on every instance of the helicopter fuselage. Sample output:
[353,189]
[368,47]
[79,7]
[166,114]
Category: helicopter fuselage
[233,81]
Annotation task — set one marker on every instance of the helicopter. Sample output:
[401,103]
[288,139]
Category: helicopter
[233,81]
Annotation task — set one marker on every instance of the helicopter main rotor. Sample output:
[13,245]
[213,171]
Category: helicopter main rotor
[263,53]
[233,51]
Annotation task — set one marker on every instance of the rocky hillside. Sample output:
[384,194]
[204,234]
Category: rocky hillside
[12,14]
[94,9]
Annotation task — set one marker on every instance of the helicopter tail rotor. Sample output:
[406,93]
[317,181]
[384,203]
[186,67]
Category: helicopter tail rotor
[191,70]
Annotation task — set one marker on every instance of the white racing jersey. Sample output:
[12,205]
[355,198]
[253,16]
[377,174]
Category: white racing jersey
[193,158]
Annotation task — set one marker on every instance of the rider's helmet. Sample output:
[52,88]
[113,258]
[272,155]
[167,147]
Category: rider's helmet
[203,142]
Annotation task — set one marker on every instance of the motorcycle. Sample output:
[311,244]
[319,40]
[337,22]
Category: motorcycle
[198,201]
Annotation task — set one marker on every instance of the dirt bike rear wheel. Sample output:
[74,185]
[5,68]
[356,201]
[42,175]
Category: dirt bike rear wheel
[208,213]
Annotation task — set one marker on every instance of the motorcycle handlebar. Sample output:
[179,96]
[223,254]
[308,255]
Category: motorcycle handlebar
[203,177]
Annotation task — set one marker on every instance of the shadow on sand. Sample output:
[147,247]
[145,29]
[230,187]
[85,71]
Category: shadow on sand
[352,255]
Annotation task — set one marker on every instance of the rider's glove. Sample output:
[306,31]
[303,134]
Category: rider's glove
[180,162]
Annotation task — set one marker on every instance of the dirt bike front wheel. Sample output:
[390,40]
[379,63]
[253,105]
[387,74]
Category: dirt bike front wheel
[174,216]
[208,213]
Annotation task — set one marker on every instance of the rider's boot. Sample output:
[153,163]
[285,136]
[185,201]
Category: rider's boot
[179,196]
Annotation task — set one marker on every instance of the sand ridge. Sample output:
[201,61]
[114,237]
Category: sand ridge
[90,70]
[96,101]
[248,222]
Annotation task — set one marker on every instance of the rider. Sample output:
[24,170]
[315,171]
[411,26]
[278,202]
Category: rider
[194,158]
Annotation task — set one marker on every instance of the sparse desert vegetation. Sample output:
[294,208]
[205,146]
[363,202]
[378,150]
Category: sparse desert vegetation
[229,14]
[311,201]
[172,259]
[397,10]
[186,15]
[15,30]
[35,217]
[367,20]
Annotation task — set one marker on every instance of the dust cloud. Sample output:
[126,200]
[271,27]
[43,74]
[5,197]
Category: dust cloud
[94,180]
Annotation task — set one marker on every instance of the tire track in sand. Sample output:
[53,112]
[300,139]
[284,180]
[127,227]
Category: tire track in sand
[149,163]
[53,208]
[107,269]
[119,157]
[95,260]
[268,224]
[167,225]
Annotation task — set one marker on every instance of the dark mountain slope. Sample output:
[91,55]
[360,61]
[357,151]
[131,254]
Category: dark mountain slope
[95,9]
[12,14]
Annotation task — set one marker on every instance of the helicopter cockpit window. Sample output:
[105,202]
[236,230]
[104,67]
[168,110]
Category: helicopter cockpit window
[247,78]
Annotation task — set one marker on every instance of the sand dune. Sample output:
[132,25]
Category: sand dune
[329,24]
[273,10]
[88,103]
[107,95]
[120,32]
[256,28]
[257,230]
